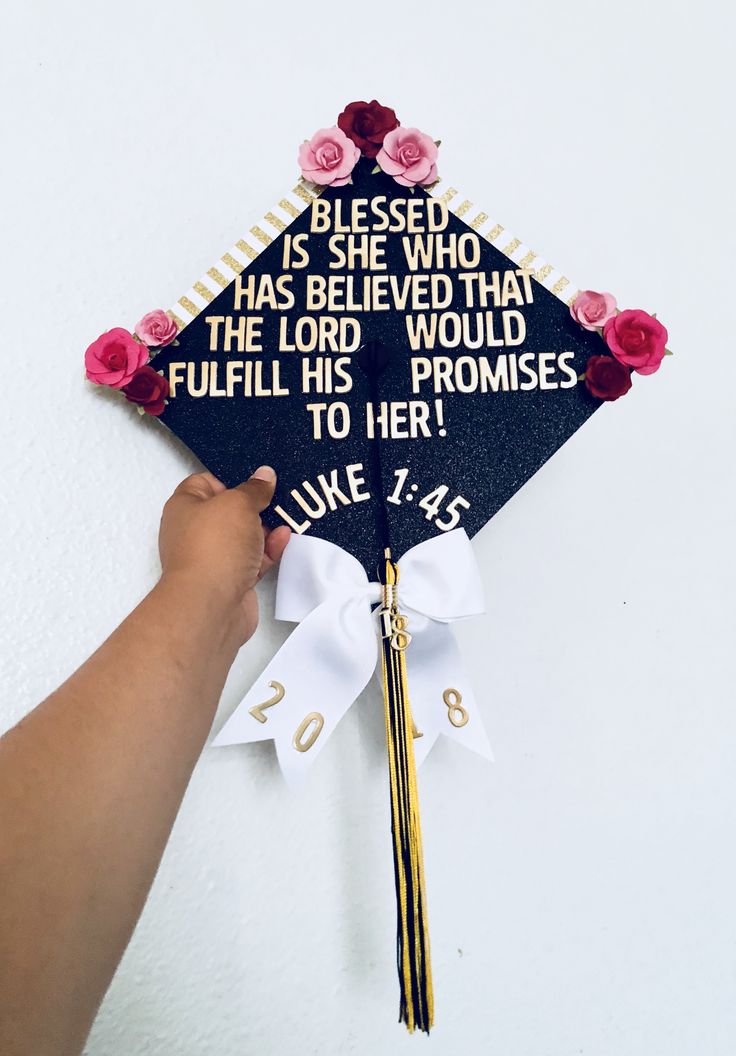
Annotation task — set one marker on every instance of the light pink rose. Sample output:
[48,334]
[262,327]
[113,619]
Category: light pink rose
[114,358]
[409,156]
[155,329]
[328,158]
[593,310]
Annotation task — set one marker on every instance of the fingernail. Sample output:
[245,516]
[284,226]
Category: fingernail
[267,473]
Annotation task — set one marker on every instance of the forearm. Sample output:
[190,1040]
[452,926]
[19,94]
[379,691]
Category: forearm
[90,784]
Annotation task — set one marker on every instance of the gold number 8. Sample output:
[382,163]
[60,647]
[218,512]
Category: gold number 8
[456,713]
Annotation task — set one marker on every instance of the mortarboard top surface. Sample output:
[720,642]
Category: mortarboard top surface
[489,391]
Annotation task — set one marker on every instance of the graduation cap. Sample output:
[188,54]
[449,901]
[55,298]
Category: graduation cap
[407,364]
[333,331]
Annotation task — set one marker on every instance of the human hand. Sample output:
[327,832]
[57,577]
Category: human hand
[212,539]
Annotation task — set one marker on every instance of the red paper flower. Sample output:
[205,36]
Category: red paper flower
[148,389]
[636,339]
[114,358]
[367,124]
[606,378]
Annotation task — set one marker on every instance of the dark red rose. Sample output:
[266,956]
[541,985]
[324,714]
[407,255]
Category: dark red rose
[148,389]
[606,378]
[367,124]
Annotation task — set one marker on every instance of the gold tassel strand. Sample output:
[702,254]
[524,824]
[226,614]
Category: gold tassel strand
[412,938]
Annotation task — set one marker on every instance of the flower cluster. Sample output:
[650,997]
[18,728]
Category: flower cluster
[636,341]
[120,360]
[373,131]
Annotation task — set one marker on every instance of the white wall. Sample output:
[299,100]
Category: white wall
[582,888]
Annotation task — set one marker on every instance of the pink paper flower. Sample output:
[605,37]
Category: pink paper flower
[155,329]
[636,339]
[593,310]
[328,158]
[409,156]
[114,358]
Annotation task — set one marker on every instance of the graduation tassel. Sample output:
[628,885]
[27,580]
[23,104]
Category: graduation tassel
[412,935]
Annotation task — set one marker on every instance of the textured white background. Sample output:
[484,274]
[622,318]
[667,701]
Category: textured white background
[582,889]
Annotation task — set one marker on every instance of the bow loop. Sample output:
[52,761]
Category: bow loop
[312,571]
[440,578]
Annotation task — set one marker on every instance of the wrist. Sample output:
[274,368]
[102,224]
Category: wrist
[217,606]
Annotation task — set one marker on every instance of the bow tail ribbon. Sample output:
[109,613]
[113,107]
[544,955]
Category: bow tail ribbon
[442,698]
[308,686]
[329,658]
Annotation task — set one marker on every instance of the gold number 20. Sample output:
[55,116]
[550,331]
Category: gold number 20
[308,729]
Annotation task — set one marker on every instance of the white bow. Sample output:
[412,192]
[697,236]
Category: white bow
[327,661]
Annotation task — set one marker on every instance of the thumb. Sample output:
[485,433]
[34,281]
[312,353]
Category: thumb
[259,488]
